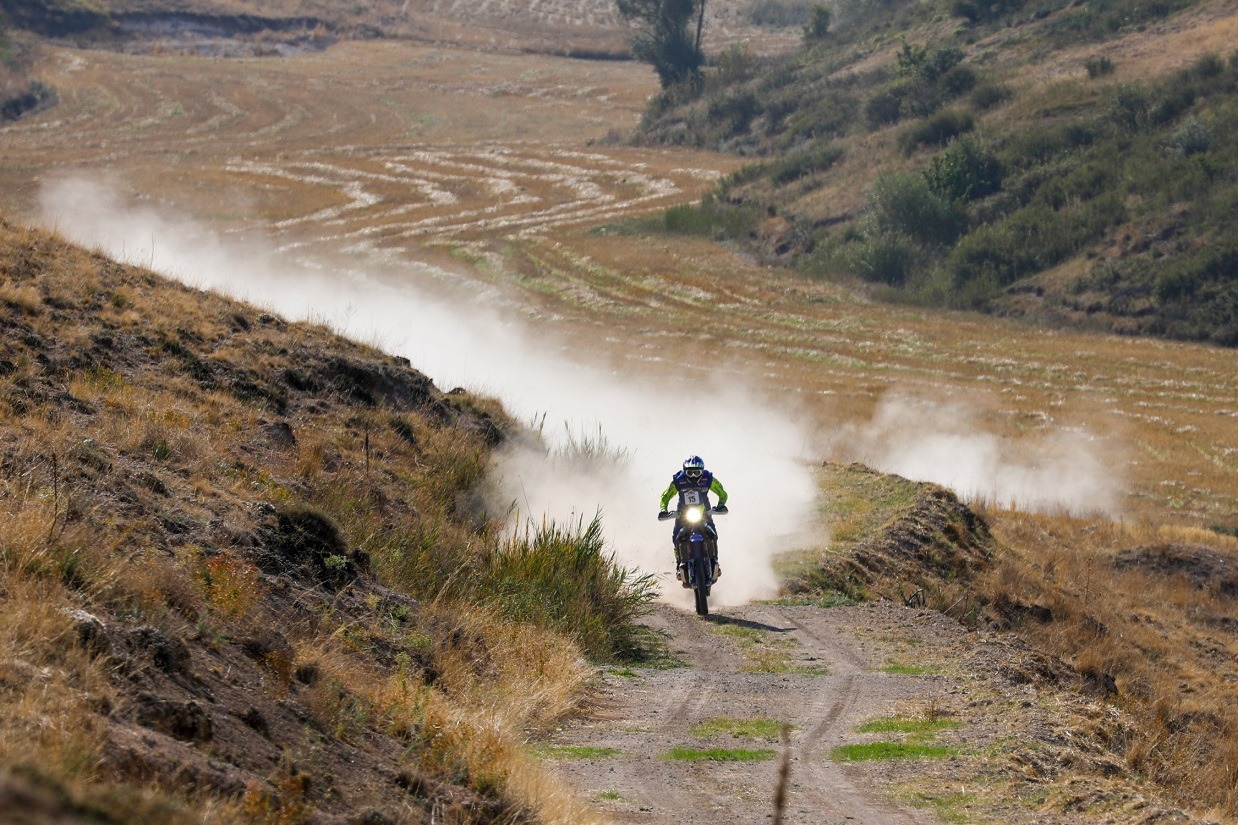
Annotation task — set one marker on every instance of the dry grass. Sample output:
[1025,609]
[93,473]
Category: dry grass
[134,487]
[1159,644]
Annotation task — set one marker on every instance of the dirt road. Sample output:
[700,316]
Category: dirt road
[823,671]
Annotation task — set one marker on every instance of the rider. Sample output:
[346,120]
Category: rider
[694,477]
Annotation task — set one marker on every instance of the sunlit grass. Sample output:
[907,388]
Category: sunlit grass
[577,752]
[889,751]
[899,724]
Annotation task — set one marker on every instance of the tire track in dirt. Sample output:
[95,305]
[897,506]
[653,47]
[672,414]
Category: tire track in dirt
[644,714]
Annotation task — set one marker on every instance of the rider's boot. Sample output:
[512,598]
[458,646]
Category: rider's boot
[681,571]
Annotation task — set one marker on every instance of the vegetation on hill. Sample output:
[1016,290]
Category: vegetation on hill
[916,151]
[244,575]
[20,94]
[1138,616]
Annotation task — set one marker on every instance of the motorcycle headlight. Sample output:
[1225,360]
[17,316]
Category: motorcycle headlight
[692,516]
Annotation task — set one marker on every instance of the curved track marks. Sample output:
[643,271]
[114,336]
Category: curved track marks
[646,716]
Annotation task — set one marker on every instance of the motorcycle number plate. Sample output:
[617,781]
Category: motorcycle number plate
[692,497]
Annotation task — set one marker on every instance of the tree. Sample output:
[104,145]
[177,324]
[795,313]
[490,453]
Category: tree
[818,26]
[664,36]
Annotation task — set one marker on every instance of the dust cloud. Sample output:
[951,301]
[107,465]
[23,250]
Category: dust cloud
[644,426]
[1057,469]
[611,436]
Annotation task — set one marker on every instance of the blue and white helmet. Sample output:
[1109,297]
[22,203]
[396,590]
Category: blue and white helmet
[693,466]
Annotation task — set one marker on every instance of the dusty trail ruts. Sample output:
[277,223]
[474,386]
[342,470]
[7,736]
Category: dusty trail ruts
[826,683]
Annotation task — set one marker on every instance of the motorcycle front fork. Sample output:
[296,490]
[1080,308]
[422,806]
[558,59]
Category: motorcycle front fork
[681,565]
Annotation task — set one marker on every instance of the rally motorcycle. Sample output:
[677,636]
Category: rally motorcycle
[697,544]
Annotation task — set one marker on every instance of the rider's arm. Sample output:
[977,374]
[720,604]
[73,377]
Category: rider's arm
[715,487]
[668,495]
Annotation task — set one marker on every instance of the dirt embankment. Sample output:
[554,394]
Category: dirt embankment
[186,601]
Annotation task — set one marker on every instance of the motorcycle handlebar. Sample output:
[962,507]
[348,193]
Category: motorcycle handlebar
[667,515]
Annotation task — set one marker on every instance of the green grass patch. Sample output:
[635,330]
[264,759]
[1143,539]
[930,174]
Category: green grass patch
[901,724]
[625,672]
[882,751]
[610,796]
[687,754]
[577,752]
[748,728]
[830,598]
[904,669]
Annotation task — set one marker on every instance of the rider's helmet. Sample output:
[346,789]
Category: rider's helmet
[693,466]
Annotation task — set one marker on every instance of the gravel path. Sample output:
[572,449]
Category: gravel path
[817,669]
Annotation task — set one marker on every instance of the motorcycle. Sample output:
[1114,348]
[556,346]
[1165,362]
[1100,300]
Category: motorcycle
[697,545]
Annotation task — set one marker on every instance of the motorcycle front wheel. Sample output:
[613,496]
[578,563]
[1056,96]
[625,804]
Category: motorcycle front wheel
[701,588]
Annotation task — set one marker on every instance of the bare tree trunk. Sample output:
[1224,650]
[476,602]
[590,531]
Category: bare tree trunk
[700,27]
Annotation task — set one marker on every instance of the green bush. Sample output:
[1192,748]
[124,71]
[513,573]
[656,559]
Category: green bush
[1099,66]
[816,158]
[831,114]
[907,205]
[818,26]
[886,257]
[1031,240]
[937,130]
[732,113]
[976,11]
[1129,107]
[885,106]
[564,579]
[964,172]
[711,219]
[781,14]
[1192,138]
[990,96]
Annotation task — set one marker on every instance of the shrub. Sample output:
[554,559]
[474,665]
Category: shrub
[818,26]
[937,130]
[794,166]
[1032,239]
[990,95]
[885,257]
[563,579]
[710,219]
[780,13]
[1192,138]
[964,172]
[977,11]
[884,106]
[1099,66]
[904,203]
[736,111]
[1209,66]
[957,81]
[832,114]
[1129,107]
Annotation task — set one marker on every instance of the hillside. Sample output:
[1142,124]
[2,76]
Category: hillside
[1071,163]
[245,577]
[589,29]
[20,92]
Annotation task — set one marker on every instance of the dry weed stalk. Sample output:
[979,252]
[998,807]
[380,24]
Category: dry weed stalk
[784,776]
